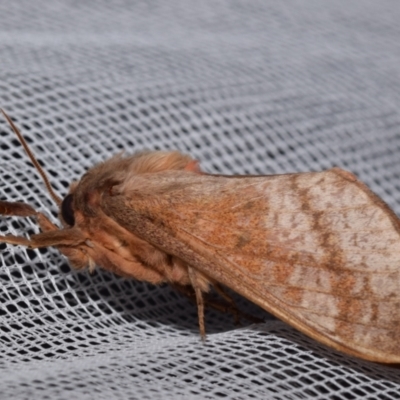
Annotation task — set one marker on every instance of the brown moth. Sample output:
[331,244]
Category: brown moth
[319,250]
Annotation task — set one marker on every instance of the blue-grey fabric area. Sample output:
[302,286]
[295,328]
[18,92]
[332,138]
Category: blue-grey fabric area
[245,87]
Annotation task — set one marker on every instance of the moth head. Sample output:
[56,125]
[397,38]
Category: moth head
[67,211]
[67,208]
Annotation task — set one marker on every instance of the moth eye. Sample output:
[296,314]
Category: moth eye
[66,210]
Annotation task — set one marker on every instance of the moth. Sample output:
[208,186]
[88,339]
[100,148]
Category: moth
[318,250]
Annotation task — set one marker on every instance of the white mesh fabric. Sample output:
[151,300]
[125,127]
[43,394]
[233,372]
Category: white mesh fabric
[244,87]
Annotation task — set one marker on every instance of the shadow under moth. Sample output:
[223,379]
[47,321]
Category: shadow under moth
[318,250]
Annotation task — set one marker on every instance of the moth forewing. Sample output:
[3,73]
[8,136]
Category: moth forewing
[318,250]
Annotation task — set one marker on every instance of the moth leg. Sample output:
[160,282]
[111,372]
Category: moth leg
[189,292]
[10,239]
[199,301]
[18,209]
[52,235]
[232,306]
[185,290]
[45,224]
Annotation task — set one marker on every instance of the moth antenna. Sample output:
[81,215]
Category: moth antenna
[32,157]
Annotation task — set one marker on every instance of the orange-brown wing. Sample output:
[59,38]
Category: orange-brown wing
[318,250]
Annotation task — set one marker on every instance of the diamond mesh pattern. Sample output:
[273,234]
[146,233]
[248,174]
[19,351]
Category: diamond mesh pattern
[245,87]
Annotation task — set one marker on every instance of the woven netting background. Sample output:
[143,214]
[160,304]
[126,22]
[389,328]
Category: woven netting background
[246,87]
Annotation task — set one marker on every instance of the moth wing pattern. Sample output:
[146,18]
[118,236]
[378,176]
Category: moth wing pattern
[318,250]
